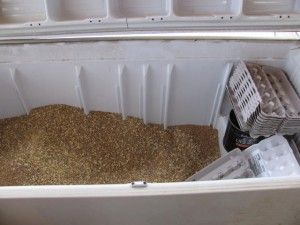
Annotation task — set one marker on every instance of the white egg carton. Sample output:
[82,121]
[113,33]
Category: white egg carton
[271,106]
[231,166]
[271,113]
[244,90]
[268,114]
[272,157]
[238,112]
[288,98]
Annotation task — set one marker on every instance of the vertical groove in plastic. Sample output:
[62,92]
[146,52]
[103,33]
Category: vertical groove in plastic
[215,105]
[79,88]
[141,104]
[121,90]
[78,95]
[17,87]
[118,100]
[170,70]
[144,92]
[163,94]
[221,95]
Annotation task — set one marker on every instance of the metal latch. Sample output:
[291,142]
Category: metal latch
[138,184]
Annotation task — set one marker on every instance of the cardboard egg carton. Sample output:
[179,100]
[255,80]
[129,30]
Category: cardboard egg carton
[288,98]
[275,107]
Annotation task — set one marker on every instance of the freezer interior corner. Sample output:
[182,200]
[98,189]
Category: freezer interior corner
[168,83]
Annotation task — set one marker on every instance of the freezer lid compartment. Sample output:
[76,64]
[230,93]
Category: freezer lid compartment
[46,17]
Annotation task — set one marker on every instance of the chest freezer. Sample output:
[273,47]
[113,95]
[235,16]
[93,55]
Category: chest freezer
[166,62]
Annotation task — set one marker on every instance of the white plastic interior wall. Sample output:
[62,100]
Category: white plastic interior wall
[46,16]
[164,82]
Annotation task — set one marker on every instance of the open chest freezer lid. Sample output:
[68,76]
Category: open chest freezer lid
[44,17]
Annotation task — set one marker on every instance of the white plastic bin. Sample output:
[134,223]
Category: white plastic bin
[193,74]
[167,82]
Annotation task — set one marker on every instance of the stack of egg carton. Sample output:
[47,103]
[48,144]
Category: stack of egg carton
[264,101]
[272,157]
[288,98]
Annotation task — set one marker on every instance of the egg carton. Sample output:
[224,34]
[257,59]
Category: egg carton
[278,110]
[271,114]
[288,98]
[267,114]
[272,157]
[244,92]
[231,166]
[243,125]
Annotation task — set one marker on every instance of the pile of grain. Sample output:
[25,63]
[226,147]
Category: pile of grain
[60,145]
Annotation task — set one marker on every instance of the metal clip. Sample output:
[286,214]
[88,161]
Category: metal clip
[138,184]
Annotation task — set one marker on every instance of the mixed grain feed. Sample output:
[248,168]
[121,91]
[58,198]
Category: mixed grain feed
[59,144]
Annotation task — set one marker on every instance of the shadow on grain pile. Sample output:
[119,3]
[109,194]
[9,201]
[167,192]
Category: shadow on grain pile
[58,144]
